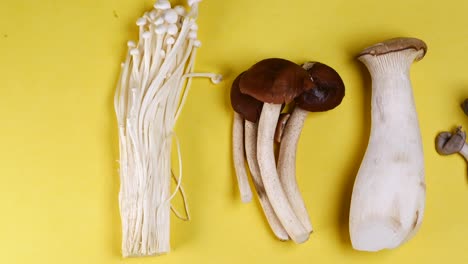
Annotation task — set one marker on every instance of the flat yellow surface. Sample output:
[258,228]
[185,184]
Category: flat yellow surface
[59,62]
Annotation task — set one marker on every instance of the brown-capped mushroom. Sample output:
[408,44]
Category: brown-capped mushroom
[249,109]
[275,82]
[327,94]
[448,143]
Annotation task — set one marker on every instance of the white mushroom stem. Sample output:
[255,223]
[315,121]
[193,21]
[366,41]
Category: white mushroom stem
[387,205]
[251,154]
[287,165]
[147,101]
[269,174]
[239,158]
[464,151]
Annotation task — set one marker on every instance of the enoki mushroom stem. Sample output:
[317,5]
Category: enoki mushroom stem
[147,103]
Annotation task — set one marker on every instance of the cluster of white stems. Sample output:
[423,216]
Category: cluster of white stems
[151,91]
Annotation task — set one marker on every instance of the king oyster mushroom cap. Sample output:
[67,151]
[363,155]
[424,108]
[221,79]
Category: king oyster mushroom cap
[395,45]
[327,94]
[249,109]
[275,82]
[387,205]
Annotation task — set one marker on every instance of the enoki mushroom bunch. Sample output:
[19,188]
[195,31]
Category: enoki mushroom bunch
[258,96]
[153,86]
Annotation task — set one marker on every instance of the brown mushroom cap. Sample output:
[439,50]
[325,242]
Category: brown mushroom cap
[275,81]
[448,143]
[329,90]
[247,106]
[394,45]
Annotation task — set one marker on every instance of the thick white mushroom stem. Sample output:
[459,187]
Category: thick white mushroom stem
[287,165]
[387,204]
[269,174]
[239,158]
[251,154]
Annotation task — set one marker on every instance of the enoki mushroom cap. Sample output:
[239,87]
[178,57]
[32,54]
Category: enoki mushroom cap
[247,106]
[448,143]
[275,81]
[329,90]
[395,45]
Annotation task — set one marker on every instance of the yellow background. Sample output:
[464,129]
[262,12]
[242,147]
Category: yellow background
[59,62]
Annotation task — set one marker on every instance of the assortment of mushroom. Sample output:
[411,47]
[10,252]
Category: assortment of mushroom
[388,201]
[258,96]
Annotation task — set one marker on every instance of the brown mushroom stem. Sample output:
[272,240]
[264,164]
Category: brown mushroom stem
[251,154]
[239,158]
[269,174]
[287,165]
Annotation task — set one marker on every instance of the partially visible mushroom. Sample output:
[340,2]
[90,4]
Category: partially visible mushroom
[249,109]
[327,94]
[275,82]
[464,106]
[448,143]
